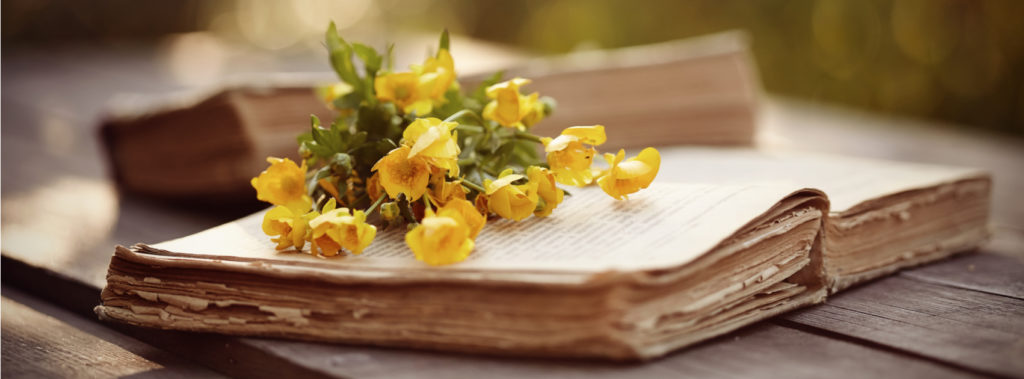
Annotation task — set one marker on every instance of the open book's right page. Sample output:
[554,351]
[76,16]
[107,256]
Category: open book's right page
[884,215]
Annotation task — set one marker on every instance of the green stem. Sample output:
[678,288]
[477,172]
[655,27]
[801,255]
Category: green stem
[463,113]
[470,128]
[473,186]
[427,203]
[527,136]
[376,204]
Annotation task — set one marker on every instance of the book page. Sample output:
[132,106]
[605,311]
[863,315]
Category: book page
[847,181]
[663,226]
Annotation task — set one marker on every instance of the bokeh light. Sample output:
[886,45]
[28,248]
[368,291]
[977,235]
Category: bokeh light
[958,61]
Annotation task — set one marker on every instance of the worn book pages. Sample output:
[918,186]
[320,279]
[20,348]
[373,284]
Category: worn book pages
[885,215]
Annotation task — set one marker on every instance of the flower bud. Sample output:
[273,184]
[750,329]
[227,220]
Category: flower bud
[390,211]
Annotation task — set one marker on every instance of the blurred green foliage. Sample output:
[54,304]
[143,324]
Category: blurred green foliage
[960,61]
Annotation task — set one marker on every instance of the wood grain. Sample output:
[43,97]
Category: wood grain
[40,340]
[761,351]
[991,273]
[792,353]
[976,330]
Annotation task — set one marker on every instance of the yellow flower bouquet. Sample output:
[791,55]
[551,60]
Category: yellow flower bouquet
[412,149]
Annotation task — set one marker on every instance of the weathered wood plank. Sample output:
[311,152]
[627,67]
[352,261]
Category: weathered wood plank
[966,328]
[760,351]
[985,272]
[764,350]
[41,340]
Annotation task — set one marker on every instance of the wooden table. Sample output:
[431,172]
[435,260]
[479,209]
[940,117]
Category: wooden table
[962,317]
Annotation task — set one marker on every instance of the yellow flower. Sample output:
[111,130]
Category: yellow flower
[332,92]
[290,227]
[418,91]
[338,229]
[283,183]
[441,191]
[435,141]
[569,156]
[373,187]
[467,211]
[439,71]
[400,173]
[440,240]
[511,109]
[406,90]
[510,201]
[534,109]
[550,194]
[624,178]
[480,202]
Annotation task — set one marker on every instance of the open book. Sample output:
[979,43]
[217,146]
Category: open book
[676,264]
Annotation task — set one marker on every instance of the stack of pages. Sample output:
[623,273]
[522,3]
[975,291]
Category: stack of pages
[743,235]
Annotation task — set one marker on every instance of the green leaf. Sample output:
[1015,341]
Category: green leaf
[376,121]
[340,132]
[329,139]
[480,92]
[391,57]
[320,136]
[341,163]
[443,45]
[340,53]
[334,41]
[323,172]
[357,140]
[349,101]
[320,151]
[453,104]
[504,153]
[527,153]
[371,59]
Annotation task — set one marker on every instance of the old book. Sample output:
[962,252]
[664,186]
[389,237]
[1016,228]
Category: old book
[676,264]
[205,146]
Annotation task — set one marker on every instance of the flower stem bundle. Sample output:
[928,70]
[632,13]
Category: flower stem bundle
[411,148]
